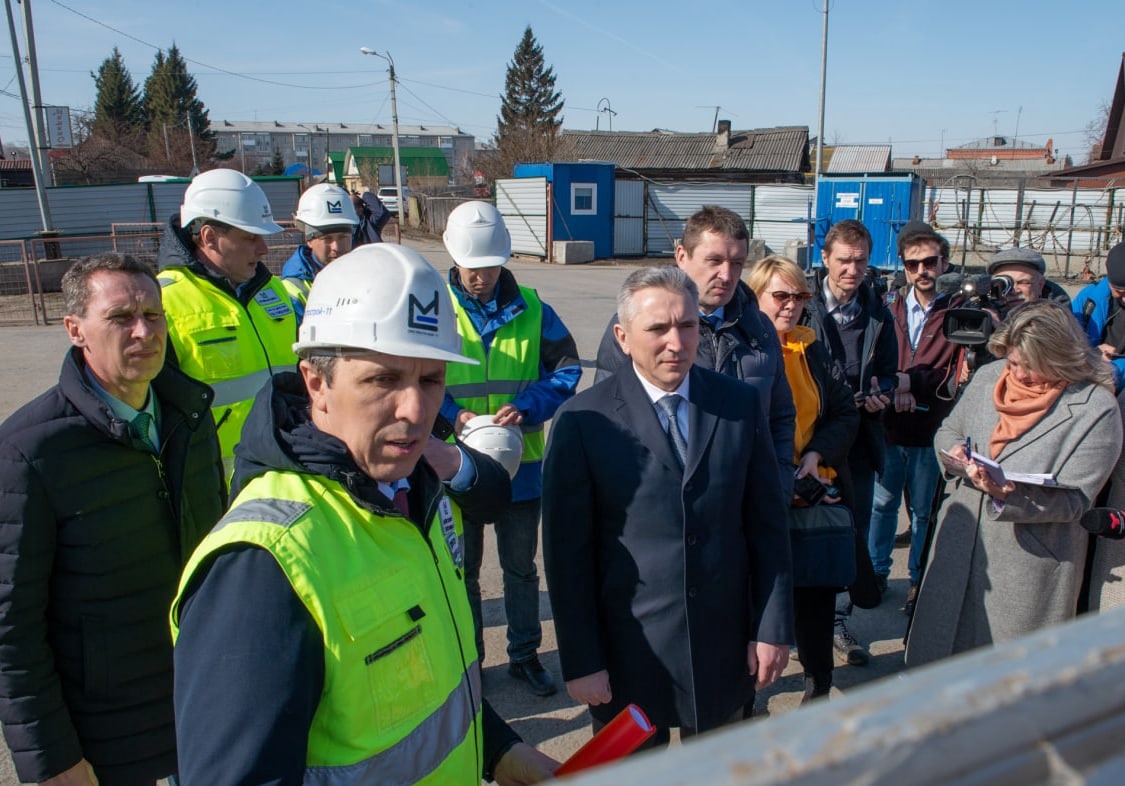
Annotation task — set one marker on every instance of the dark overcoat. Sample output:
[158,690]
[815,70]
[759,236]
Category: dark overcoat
[663,576]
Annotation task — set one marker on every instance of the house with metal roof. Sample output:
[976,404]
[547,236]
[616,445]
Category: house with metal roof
[1107,161]
[761,155]
[423,168]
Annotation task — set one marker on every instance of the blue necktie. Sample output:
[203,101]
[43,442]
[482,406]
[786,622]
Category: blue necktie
[670,405]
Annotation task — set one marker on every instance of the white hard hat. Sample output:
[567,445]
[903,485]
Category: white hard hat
[502,443]
[324,206]
[228,197]
[385,298]
[475,236]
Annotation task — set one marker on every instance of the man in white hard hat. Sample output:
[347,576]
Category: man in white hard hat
[527,367]
[231,322]
[324,622]
[326,215]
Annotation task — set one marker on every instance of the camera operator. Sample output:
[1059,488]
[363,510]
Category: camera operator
[1098,308]
[1028,271]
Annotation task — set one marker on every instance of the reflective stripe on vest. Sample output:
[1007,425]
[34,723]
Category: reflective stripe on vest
[402,695]
[431,740]
[510,367]
[297,288]
[232,348]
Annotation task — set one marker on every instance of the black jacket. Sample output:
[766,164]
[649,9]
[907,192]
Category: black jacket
[94,533]
[879,355]
[744,346]
[263,737]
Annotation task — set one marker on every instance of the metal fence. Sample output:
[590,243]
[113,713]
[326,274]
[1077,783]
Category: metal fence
[31,270]
[1074,225]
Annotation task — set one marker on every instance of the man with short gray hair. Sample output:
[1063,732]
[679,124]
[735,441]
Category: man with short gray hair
[665,530]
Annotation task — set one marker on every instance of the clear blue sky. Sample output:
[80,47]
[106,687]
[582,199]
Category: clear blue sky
[911,72]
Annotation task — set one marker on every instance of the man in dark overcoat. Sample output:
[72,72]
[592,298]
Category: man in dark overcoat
[666,541]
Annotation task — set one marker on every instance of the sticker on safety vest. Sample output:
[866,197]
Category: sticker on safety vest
[449,530]
[273,305]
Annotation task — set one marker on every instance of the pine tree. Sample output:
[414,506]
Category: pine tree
[170,99]
[529,122]
[118,111]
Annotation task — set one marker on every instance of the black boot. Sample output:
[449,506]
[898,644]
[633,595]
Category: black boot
[816,686]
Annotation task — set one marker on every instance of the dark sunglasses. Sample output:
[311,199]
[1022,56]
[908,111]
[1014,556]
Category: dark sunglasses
[931,263]
[783,297]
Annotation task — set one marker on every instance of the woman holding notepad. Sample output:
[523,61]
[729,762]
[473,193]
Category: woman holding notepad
[1007,557]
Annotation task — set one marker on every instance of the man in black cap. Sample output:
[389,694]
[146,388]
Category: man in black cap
[1098,308]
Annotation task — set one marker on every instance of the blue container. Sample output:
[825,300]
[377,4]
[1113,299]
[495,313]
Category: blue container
[884,202]
[582,203]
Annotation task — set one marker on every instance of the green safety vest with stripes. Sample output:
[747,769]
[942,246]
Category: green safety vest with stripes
[511,365]
[402,694]
[233,348]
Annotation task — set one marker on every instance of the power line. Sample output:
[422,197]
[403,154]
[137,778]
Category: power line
[200,63]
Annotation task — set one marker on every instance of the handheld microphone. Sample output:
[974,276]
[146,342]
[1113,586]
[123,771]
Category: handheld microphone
[1105,522]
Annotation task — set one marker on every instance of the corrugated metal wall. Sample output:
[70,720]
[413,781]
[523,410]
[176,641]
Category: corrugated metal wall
[523,203]
[628,218]
[774,213]
[89,210]
[781,214]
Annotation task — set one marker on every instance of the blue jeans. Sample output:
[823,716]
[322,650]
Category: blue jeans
[517,540]
[916,470]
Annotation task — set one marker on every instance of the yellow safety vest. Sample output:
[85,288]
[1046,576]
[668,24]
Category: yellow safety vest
[511,365]
[233,348]
[402,693]
[298,289]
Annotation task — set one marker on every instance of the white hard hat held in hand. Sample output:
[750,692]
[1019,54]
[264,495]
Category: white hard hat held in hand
[228,197]
[475,236]
[502,443]
[381,297]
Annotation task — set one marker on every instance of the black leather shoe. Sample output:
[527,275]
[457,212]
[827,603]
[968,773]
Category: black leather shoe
[531,671]
[902,540]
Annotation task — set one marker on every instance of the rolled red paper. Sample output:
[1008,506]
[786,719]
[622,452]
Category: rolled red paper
[620,737]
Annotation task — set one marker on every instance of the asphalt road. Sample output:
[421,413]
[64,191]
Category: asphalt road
[584,298]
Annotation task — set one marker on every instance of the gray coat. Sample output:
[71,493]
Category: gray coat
[994,576]
[1107,569]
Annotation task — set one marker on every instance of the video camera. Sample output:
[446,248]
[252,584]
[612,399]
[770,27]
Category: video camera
[983,298]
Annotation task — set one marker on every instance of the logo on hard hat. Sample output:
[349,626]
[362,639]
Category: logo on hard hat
[334,207]
[419,315]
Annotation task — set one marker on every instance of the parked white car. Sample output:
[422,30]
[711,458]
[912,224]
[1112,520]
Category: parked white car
[388,195]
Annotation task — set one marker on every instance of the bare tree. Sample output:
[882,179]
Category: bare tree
[1094,133]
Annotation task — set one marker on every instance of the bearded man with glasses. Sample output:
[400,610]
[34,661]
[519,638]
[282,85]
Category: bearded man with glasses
[927,382]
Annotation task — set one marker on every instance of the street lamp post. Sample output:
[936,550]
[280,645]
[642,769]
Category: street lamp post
[394,126]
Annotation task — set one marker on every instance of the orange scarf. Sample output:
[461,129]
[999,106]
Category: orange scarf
[806,394]
[1020,407]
